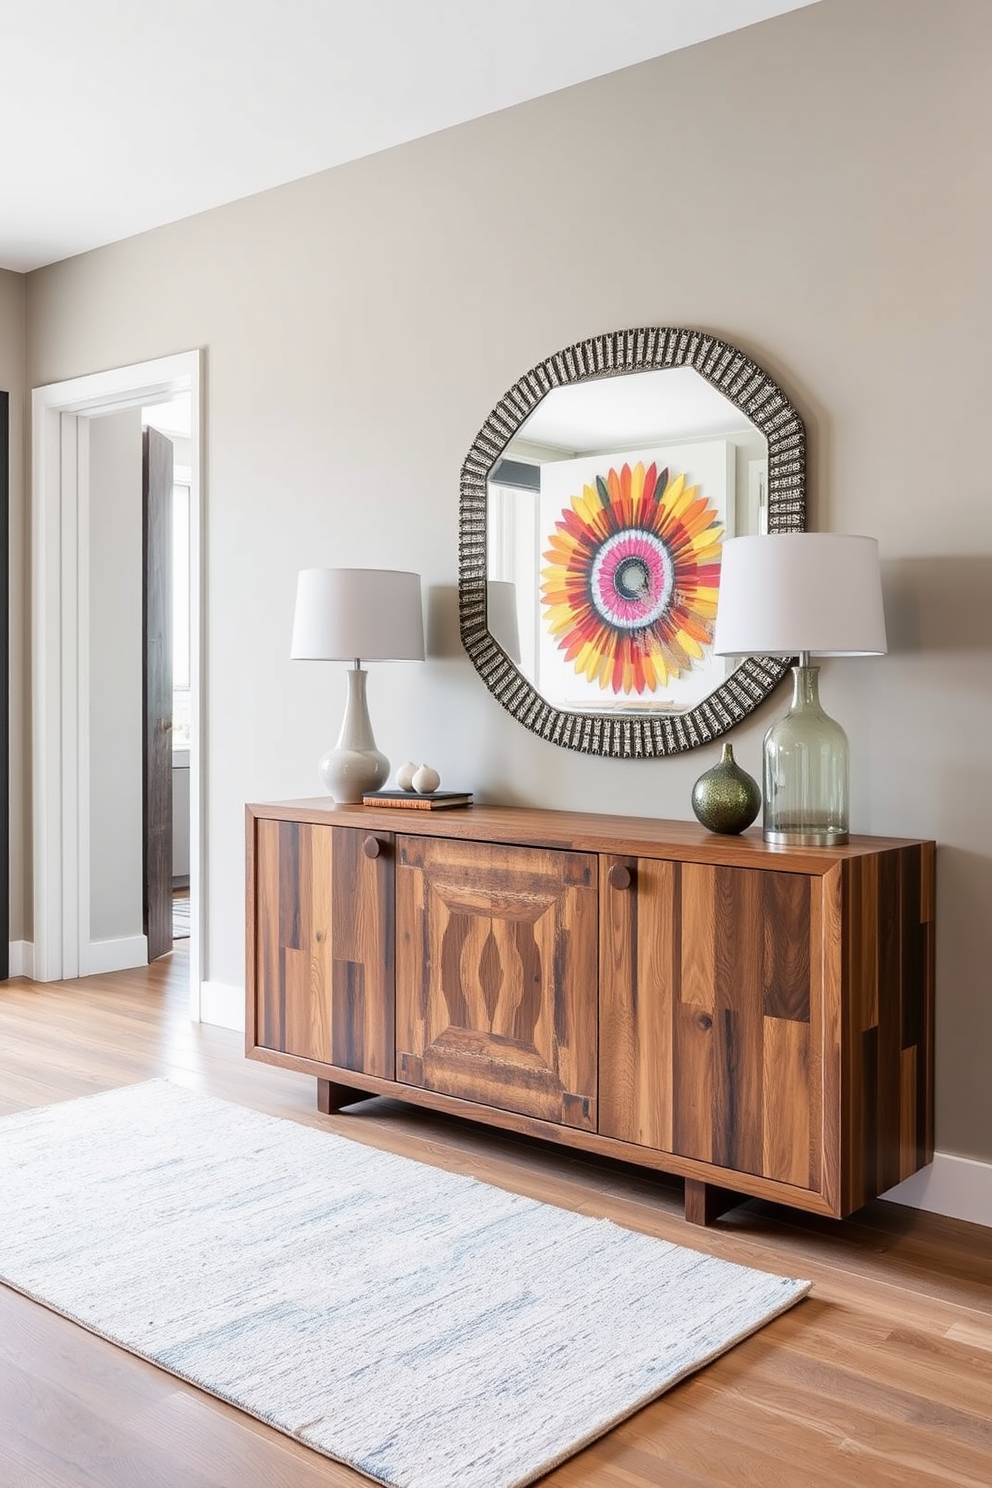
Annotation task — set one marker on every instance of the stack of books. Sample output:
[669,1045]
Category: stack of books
[410,800]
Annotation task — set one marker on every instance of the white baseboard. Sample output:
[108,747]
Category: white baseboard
[21,955]
[113,955]
[222,1005]
[959,1187]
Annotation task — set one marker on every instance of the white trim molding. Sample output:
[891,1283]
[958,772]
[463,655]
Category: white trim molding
[59,630]
[223,1005]
[960,1187]
[112,955]
[21,959]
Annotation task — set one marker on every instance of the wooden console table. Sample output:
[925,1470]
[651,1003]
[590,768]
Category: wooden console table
[756,1020]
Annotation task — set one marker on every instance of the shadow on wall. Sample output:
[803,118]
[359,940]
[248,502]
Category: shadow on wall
[442,634]
[963,1008]
[488,751]
[938,604]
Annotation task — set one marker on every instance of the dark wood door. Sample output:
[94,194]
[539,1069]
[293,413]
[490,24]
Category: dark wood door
[710,1023]
[496,975]
[157,682]
[320,948]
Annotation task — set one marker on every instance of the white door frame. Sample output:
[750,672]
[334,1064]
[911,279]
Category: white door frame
[60,615]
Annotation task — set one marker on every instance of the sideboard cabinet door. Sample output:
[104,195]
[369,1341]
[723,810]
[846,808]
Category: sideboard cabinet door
[496,963]
[322,945]
[710,1021]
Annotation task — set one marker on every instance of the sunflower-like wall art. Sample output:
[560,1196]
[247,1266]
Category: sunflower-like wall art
[630,591]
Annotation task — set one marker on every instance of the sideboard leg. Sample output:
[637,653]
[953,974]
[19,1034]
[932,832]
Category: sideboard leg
[704,1202]
[331,1097]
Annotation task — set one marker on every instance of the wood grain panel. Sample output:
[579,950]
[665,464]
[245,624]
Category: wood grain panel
[909,1143]
[738,1023]
[321,946]
[834,1051]
[910,951]
[786,1108]
[749,933]
[784,910]
[888,1121]
[263,958]
[692,1027]
[862,942]
[637,977]
[697,972]
[889,1026]
[497,976]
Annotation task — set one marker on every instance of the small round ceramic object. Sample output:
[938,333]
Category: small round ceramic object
[426,780]
[405,774]
[726,799]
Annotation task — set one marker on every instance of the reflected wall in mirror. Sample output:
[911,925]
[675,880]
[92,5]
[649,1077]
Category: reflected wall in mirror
[594,503]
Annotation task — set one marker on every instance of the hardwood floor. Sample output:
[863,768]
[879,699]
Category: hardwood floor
[883,1376]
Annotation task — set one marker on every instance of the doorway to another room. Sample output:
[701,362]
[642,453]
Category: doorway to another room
[96,646]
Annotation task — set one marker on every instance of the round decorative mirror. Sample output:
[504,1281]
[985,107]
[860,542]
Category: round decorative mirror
[594,504]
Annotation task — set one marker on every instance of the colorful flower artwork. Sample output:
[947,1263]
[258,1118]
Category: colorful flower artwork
[630,590]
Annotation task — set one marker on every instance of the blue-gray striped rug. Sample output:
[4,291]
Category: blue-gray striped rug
[427,1329]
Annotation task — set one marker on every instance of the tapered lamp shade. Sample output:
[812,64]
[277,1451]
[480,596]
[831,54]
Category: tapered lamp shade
[357,614]
[802,594]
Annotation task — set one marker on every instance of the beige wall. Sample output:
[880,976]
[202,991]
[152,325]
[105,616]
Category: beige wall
[12,296]
[813,189]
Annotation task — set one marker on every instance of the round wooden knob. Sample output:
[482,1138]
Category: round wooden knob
[372,847]
[620,876]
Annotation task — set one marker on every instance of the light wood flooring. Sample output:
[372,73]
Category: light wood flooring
[883,1376]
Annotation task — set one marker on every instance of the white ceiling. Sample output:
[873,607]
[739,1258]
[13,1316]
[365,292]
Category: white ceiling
[121,115]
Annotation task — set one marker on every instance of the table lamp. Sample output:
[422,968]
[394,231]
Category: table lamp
[357,614]
[805,594]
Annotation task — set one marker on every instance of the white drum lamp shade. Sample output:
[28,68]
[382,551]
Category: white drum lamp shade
[357,614]
[375,614]
[802,594]
[800,591]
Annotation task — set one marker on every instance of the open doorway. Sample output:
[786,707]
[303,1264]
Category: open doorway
[66,618]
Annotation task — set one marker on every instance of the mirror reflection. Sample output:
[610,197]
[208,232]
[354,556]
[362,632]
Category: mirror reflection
[605,517]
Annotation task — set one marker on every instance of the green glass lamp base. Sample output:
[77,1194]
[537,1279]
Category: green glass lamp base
[806,788]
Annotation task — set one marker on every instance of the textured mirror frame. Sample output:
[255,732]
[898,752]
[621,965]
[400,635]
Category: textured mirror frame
[739,379]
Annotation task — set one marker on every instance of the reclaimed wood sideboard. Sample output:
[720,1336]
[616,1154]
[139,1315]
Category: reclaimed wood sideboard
[757,1020]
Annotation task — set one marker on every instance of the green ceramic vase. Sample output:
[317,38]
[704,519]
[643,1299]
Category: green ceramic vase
[726,799]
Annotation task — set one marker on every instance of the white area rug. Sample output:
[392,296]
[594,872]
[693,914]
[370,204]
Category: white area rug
[427,1329]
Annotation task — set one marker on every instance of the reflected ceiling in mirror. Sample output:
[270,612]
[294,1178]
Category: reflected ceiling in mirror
[595,500]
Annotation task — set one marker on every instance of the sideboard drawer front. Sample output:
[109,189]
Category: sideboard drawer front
[323,946]
[496,975]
